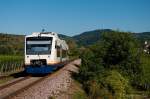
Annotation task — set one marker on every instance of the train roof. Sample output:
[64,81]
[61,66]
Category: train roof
[48,34]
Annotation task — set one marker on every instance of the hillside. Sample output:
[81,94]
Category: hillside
[90,37]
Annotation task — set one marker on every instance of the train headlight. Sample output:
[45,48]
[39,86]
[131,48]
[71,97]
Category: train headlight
[48,56]
[27,56]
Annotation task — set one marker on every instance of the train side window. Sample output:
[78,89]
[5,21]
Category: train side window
[55,45]
[64,53]
[58,51]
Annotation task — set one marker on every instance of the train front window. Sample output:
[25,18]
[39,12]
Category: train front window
[38,45]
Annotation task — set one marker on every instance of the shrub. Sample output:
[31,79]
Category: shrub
[116,84]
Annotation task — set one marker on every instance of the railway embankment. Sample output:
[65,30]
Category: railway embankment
[52,86]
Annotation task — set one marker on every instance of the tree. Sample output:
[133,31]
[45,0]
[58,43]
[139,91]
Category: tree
[120,49]
[118,46]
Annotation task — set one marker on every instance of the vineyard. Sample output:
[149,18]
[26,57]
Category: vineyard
[10,64]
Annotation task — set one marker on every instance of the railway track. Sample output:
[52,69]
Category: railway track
[13,82]
[3,77]
[14,75]
[12,89]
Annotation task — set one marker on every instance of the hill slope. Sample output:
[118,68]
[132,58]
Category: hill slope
[89,37]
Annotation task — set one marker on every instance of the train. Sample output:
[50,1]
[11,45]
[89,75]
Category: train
[44,52]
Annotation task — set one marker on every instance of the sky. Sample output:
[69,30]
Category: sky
[72,17]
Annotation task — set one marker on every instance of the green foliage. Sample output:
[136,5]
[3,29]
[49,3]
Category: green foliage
[109,66]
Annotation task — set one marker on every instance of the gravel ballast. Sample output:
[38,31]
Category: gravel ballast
[52,86]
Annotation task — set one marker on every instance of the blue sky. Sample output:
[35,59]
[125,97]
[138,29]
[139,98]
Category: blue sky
[71,17]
